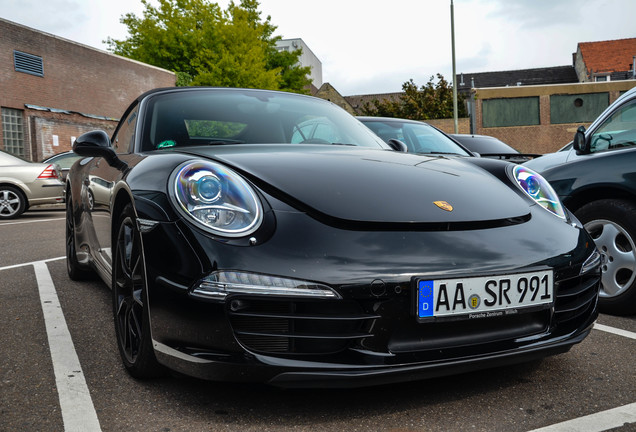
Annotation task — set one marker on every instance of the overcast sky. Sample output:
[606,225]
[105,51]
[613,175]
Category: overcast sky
[373,46]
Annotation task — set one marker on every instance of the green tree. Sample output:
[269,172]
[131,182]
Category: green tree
[292,75]
[205,45]
[430,101]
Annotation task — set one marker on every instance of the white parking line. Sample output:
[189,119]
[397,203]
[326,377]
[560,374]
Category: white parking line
[602,421]
[78,412]
[31,263]
[30,221]
[615,331]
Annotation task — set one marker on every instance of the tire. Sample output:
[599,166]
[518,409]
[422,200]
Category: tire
[612,225]
[130,301]
[12,202]
[75,271]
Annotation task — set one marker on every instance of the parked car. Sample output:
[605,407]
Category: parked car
[236,254]
[595,176]
[487,146]
[418,136]
[64,160]
[24,184]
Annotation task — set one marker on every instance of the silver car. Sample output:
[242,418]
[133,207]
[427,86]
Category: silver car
[64,160]
[24,184]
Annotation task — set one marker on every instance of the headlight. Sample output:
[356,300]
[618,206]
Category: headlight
[538,188]
[216,199]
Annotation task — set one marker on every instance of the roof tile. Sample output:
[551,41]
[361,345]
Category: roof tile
[608,56]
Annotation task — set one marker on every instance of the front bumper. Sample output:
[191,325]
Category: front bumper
[299,374]
[370,335]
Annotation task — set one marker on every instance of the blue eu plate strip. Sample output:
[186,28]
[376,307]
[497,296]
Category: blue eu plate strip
[425,298]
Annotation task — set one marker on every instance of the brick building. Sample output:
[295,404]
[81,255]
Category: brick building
[53,89]
[542,119]
[611,60]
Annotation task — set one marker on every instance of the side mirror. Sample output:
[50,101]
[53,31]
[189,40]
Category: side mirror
[579,143]
[398,145]
[96,144]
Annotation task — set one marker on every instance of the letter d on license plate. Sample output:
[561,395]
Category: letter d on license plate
[484,296]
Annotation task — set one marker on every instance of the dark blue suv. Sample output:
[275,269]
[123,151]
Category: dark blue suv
[595,177]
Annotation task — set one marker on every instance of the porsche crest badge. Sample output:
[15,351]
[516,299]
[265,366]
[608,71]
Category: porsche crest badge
[443,205]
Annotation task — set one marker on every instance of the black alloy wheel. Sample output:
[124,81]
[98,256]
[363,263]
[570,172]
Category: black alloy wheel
[73,267]
[130,307]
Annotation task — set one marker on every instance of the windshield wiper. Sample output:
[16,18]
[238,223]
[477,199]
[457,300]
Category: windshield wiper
[221,141]
[441,153]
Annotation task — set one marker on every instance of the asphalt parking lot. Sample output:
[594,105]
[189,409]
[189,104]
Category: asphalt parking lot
[60,370]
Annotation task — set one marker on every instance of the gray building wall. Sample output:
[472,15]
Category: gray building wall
[307,58]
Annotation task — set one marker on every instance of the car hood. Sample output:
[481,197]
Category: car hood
[548,161]
[374,185]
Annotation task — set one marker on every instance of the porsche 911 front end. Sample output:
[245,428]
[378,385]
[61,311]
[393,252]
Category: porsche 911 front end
[315,295]
[300,260]
[357,321]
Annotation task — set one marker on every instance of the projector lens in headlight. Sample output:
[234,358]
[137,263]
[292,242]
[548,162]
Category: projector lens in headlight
[538,188]
[216,198]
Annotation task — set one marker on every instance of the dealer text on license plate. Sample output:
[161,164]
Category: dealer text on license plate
[484,296]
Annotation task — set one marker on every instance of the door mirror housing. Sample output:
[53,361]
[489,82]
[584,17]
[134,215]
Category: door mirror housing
[579,143]
[96,144]
[398,145]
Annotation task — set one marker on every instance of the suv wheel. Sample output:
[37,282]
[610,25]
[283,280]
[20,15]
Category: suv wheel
[612,225]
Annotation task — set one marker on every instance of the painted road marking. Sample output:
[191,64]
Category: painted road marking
[602,421]
[615,331]
[30,221]
[78,412]
[31,263]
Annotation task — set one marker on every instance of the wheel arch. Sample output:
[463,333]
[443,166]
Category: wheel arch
[582,197]
[122,198]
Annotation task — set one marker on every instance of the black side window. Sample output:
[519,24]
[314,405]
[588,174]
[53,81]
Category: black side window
[124,139]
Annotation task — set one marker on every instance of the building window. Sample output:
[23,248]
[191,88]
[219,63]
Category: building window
[601,78]
[521,111]
[13,131]
[28,63]
[578,108]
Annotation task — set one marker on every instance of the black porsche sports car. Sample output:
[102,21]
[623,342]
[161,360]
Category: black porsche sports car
[241,247]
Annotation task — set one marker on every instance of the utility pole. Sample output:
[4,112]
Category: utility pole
[454,73]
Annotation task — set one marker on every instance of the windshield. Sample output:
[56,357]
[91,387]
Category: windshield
[239,116]
[418,137]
